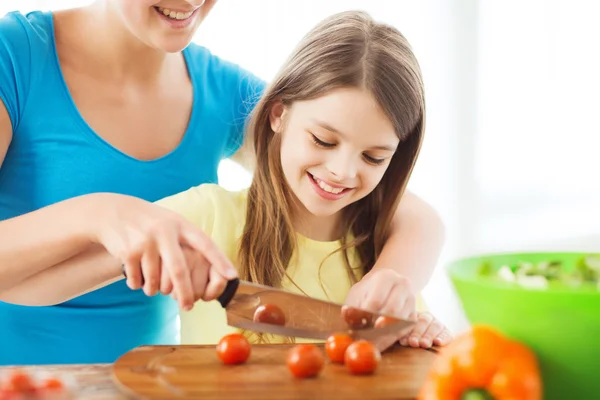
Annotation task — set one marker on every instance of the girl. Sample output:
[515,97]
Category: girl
[336,136]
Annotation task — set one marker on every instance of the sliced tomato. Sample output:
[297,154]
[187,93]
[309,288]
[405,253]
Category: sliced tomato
[233,349]
[269,314]
[356,318]
[382,321]
[305,361]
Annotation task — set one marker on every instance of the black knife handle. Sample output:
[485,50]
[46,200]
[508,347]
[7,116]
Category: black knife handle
[229,292]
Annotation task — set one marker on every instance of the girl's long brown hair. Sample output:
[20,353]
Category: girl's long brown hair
[348,49]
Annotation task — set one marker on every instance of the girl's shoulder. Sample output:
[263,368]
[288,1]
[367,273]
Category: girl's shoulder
[208,205]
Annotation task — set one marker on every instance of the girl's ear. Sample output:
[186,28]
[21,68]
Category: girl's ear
[276,116]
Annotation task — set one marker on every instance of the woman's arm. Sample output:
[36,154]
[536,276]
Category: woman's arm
[38,240]
[83,273]
[147,239]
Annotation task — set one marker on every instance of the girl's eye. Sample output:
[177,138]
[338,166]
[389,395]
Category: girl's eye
[321,143]
[372,160]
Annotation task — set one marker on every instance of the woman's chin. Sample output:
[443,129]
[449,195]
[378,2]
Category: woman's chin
[173,44]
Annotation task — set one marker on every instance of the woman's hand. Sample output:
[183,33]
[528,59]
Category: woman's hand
[149,241]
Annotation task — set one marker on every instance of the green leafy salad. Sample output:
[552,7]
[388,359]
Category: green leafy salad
[541,275]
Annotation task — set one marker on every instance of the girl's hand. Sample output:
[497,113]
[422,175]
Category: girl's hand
[149,242]
[384,291]
[427,332]
[207,283]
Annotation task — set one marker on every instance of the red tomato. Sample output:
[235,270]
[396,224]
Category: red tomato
[382,321]
[362,357]
[19,382]
[336,346]
[10,394]
[52,384]
[269,314]
[305,361]
[356,318]
[233,349]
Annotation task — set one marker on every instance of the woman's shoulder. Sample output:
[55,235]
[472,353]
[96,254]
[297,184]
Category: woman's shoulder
[26,41]
[26,30]
[219,71]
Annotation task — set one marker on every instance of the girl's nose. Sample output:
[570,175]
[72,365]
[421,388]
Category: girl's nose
[342,166]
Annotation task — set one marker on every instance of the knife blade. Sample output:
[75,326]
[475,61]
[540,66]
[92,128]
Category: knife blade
[304,316]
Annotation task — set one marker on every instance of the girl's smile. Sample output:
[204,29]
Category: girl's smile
[327,190]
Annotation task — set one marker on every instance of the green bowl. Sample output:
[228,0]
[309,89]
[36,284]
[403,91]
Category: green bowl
[561,324]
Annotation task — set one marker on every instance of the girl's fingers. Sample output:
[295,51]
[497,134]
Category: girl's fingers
[380,295]
[133,272]
[151,270]
[199,273]
[419,329]
[216,284]
[444,338]
[433,331]
[166,286]
[399,303]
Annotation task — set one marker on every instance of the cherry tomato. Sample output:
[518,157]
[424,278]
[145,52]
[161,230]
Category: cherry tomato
[305,361]
[233,349]
[19,382]
[269,314]
[52,384]
[362,357]
[336,346]
[10,394]
[356,318]
[382,321]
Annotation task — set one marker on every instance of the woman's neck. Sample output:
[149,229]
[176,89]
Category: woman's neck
[118,52]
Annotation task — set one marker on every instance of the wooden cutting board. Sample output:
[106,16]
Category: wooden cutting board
[195,372]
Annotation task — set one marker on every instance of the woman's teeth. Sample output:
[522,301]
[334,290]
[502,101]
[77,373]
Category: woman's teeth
[328,188]
[174,14]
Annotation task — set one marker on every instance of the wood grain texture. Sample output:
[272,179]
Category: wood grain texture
[195,372]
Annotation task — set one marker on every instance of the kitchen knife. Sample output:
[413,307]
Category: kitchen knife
[303,316]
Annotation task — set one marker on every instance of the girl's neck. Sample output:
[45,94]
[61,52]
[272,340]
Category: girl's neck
[322,229]
[122,55]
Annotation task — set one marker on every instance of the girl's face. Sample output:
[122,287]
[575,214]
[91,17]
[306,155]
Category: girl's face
[335,149]
[168,25]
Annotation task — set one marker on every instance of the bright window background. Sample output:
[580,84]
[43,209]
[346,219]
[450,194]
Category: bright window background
[513,136]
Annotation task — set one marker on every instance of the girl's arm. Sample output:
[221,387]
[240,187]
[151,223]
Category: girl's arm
[415,242]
